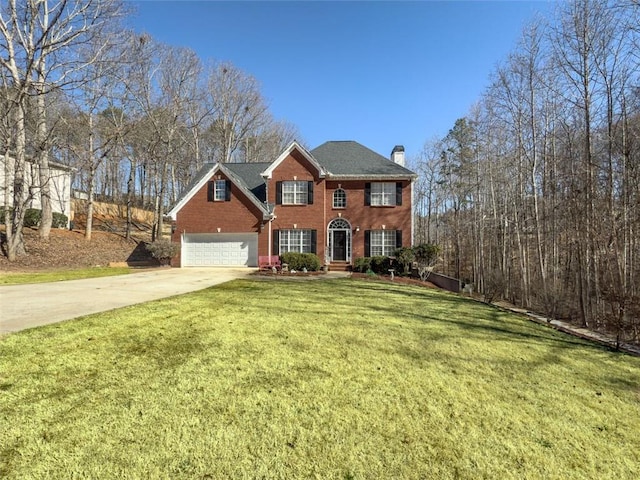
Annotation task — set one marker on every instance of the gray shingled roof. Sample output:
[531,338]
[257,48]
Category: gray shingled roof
[338,158]
[349,158]
[249,173]
[246,175]
[194,181]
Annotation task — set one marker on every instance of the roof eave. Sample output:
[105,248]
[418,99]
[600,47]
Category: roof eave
[248,193]
[230,175]
[409,177]
[294,146]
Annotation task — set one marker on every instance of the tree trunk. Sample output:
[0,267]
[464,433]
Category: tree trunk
[44,173]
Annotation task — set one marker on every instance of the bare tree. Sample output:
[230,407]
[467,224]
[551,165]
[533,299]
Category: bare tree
[239,109]
[546,208]
[38,41]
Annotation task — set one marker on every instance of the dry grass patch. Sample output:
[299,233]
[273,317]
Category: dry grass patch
[18,278]
[331,379]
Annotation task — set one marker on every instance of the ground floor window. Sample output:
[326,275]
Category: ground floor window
[382,242]
[301,241]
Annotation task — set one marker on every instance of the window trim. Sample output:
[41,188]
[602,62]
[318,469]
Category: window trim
[212,190]
[392,190]
[302,195]
[219,186]
[298,244]
[343,197]
[385,197]
[369,245]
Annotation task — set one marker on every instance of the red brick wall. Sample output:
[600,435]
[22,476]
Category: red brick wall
[367,217]
[312,217]
[239,215]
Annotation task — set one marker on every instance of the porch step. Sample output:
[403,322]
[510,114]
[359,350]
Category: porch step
[339,267]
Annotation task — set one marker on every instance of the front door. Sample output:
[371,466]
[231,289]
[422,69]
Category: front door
[339,253]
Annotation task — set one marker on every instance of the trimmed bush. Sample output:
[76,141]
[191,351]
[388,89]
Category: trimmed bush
[59,220]
[380,265]
[163,250]
[362,264]
[299,261]
[405,257]
[32,217]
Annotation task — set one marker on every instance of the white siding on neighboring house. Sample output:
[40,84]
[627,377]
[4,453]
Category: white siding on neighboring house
[60,186]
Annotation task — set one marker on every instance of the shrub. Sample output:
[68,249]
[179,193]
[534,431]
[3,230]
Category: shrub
[3,212]
[299,261]
[163,250]
[362,264]
[405,256]
[59,220]
[426,253]
[426,257]
[380,265]
[32,217]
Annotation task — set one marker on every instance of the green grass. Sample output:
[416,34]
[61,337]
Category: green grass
[326,379]
[10,278]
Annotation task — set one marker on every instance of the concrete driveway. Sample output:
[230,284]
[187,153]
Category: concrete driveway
[27,306]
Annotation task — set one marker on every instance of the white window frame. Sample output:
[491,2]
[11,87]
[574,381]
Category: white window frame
[219,190]
[382,243]
[340,195]
[383,194]
[295,192]
[295,240]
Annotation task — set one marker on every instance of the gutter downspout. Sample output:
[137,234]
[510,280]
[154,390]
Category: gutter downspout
[270,246]
[413,206]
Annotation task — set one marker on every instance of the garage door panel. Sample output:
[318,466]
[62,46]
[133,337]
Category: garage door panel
[220,249]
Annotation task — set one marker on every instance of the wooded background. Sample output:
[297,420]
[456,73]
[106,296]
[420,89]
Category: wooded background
[533,196]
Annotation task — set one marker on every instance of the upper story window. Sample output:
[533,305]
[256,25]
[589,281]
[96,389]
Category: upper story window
[295,192]
[383,194]
[339,198]
[219,191]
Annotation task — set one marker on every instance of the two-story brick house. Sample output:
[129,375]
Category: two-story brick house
[340,201]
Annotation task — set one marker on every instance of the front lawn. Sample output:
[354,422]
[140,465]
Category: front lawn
[335,379]
[11,278]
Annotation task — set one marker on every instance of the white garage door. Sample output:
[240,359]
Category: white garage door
[220,249]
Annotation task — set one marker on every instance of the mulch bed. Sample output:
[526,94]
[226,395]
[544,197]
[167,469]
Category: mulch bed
[396,279]
[269,273]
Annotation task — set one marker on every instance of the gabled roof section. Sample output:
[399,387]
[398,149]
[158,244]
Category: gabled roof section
[294,146]
[205,173]
[251,175]
[349,159]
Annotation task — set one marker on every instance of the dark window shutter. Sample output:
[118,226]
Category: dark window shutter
[367,243]
[227,191]
[275,250]
[398,238]
[314,241]
[310,193]
[210,191]
[367,194]
[399,193]
[278,193]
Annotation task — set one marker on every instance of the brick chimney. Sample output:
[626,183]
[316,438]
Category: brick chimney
[397,155]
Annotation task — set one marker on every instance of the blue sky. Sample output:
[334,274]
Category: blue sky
[380,73]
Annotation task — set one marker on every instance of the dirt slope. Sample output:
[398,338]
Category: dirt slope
[69,249]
